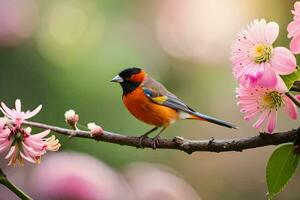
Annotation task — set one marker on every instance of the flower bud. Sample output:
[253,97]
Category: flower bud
[71,118]
[95,129]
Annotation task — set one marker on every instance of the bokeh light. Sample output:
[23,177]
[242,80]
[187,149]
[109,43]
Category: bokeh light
[74,176]
[67,24]
[157,182]
[70,31]
[196,29]
[18,21]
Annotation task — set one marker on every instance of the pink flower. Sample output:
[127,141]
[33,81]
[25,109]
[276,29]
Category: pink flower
[31,147]
[294,29]
[264,102]
[95,129]
[19,141]
[71,175]
[5,138]
[16,115]
[255,61]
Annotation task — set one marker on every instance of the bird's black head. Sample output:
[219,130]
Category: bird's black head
[129,72]
[130,79]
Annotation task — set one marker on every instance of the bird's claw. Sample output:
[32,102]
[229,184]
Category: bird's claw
[141,139]
[211,140]
[155,142]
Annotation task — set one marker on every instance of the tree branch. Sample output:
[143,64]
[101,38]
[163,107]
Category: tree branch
[296,86]
[179,143]
[293,98]
[4,181]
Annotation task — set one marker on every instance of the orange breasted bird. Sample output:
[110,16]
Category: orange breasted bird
[150,102]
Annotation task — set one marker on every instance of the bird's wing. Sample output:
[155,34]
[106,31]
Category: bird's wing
[160,95]
[157,87]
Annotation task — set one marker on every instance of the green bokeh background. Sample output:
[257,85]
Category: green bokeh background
[61,81]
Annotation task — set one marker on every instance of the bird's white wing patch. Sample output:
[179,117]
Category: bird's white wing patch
[184,115]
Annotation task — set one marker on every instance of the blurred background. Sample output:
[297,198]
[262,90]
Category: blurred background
[63,53]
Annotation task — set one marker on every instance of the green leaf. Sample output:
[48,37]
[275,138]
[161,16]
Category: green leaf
[280,169]
[291,78]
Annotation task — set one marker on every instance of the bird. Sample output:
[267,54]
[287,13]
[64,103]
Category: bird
[150,102]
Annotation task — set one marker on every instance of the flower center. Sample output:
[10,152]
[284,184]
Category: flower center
[272,100]
[262,53]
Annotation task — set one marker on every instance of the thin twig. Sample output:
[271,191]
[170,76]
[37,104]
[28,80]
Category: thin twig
[4,181]
[293,98]
[296,86]
[179,143]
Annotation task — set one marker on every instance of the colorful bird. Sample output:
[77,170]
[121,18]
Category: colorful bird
[150,102]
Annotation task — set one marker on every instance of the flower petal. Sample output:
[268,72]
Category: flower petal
[272,121]
[261,119]
[28,158]
[3,121]
[11,151]
[269,78]
[281,86]
[272,31]
[293,28]
[290,108]
[7,111]
[33,113]
[283,61]
[250,115]
[297,6]
[5,145]
[41,135]
[18,105]
[295,44]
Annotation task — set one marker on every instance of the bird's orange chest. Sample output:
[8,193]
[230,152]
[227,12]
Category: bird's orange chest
[147,111]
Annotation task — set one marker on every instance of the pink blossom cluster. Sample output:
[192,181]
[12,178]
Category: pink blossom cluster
[258,67]
[18,141]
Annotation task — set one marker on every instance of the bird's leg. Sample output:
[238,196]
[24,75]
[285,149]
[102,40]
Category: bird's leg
[145,135]
[157,137]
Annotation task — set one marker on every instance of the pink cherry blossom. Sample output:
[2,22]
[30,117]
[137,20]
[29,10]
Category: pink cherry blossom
[294,29]
[255,61]
[31,147]
[19,142]
[264,103]
[16,115]
[5,135]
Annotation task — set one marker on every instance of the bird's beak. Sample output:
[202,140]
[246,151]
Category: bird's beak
[117,79]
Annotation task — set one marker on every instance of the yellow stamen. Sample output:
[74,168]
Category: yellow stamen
[272,100]
[52,143]
[262,53]
[38,160]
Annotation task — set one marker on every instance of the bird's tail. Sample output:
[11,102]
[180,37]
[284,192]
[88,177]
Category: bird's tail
[199,116]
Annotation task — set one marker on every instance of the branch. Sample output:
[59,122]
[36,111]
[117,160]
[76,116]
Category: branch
[293,98]
[4,181]
[296,86]
[179,143]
